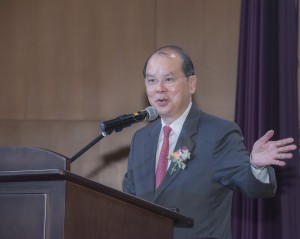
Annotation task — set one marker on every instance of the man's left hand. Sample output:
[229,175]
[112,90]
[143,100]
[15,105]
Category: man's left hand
[266,152]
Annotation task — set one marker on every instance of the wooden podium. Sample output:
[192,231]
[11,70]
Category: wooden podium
[41,198]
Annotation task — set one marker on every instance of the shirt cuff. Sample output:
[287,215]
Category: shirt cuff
[261,174]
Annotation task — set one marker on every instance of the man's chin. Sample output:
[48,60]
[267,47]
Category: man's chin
[161,111]
[163,114]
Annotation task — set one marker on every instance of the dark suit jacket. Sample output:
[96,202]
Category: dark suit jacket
[218,165]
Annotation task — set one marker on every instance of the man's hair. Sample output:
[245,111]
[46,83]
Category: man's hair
[187,64]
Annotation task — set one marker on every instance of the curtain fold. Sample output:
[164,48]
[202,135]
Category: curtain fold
[267,98]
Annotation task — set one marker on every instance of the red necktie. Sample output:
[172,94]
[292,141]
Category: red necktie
[163,157]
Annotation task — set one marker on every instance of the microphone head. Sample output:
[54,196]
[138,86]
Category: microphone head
[152,113]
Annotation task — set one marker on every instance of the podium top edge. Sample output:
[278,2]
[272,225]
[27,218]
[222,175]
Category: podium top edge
[15,158]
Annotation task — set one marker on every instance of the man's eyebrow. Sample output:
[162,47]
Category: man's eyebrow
[166,75]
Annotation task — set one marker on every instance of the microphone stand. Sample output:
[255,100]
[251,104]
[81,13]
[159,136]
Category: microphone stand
[88,146]
[117,125]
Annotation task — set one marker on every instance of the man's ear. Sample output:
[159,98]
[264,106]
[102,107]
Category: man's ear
[192,82]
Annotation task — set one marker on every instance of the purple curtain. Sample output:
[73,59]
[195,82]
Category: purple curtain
[267,99]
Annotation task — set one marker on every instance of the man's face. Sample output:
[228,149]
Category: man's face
[169,90]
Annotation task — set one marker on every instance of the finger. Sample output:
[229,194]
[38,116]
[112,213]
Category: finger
[267,136]
[283,156]
[287,148]
[279,163]
[280,159]
[283,142]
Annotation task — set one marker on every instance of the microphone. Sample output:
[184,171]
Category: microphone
[124,121]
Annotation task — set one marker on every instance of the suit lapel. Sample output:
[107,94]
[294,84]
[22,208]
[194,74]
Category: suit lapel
[185,139]
[150,148]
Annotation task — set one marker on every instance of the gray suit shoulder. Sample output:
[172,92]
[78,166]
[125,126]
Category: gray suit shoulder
[216,123]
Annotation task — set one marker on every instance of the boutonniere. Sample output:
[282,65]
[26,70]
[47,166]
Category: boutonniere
[179,158]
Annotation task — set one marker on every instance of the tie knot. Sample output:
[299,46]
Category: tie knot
[167,129]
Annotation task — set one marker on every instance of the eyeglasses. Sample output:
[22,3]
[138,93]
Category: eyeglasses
[169,80]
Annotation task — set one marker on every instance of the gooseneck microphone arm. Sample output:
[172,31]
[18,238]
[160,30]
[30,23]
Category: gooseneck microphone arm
[117,125]
[87,147]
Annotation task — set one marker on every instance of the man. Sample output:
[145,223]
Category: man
[210,159]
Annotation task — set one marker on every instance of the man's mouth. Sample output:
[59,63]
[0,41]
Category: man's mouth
[162,102]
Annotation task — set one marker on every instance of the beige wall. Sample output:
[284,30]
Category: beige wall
[66,65]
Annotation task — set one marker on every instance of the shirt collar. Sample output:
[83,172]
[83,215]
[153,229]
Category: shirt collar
[178,123]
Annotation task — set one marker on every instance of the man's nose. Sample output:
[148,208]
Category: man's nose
[161,86]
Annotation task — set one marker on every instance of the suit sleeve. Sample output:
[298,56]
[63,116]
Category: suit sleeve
[128,181]
[232,166]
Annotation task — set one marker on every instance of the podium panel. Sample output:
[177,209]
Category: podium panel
[110,217]
[31,209]
[17,215]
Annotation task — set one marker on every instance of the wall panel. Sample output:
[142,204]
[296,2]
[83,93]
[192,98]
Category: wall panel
[68,59]
[209,30]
